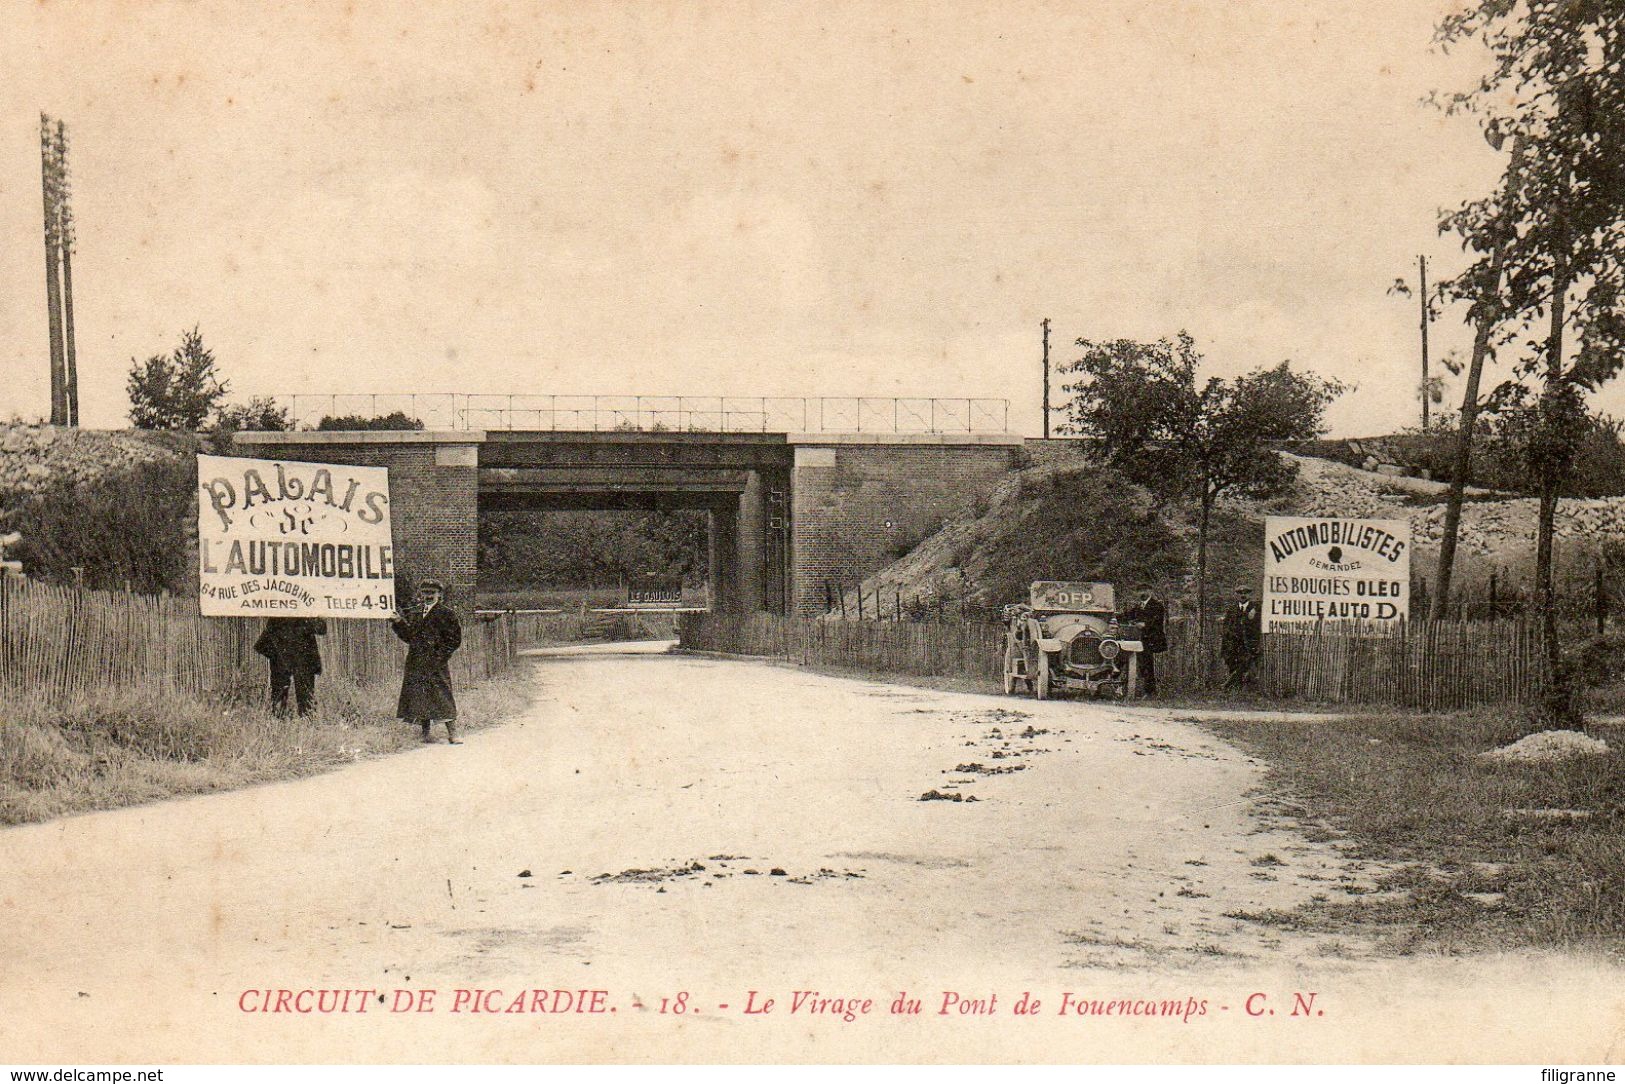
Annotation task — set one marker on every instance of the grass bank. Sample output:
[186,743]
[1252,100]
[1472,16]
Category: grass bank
[1481,854]
[131,747]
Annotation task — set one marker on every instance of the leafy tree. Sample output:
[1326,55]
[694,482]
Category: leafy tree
[1513,458]
[178,391]
[259,414]
[1154,420]
[396,420]
[520,549]
[1549,273]
[1499,453]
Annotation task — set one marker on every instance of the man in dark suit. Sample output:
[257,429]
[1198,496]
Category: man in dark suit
[432,634]
[1243,634]
[1151,614]
[289,645]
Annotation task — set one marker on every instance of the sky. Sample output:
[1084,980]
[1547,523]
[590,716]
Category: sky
[782,199]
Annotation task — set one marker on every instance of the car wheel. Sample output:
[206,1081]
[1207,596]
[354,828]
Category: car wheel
[1009,682]
[1041,686]
[1131,683]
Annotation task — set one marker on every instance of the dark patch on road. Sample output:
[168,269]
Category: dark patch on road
[1145,746]
[999,741]
[924,861]
[649,876]
[690,872]
[975,768]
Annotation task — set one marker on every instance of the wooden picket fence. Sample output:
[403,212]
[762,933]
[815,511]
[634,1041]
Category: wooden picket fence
[1434,667]
[60,643]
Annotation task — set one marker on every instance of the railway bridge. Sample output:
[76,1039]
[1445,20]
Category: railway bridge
[789,513]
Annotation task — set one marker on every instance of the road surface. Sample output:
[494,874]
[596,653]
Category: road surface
[703,836]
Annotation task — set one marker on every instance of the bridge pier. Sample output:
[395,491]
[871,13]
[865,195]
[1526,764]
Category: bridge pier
[752,522]
[724,558]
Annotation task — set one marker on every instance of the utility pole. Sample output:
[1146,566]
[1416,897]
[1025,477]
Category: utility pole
[70,370]
[1046,378]
[1427,392]
[53,283]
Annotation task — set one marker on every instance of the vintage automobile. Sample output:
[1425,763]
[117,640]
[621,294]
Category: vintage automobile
[1067,637]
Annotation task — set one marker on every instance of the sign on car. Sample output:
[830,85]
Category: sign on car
[1062,595]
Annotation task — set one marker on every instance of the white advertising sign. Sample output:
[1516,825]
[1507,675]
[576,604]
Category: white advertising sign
[293,539]
[1343,571]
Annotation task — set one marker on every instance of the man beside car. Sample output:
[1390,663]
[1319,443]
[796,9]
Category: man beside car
[1151,614]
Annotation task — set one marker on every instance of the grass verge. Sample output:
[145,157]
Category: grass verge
[1481,855]
[128,747]
[1222,700]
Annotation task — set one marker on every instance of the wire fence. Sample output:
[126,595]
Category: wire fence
[58,644]
[660,413]
[1440,666]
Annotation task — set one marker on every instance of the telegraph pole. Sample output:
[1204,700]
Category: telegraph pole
[70,370]
[1046,378]
[53,283]
[1427,392]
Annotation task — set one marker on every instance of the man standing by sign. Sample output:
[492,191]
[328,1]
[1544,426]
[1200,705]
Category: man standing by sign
[289,645]
[1242,639]
[1354,573]
[432,634]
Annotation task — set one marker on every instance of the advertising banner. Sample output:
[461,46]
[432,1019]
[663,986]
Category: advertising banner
[1348,572]
[282,539]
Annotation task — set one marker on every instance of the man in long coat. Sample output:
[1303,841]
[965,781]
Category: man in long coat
[1151,614]
[432,634]
[289,645]
[1243,634]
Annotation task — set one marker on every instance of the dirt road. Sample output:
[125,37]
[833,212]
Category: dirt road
[709,835]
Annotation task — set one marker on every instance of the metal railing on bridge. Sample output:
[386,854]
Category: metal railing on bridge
[660,413]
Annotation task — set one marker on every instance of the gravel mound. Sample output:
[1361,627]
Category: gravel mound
[1548,745]
[1498,529]
[33,457]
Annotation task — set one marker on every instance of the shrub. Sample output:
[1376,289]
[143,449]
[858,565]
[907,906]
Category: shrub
[1077,524]
[397,420]
[127,526]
